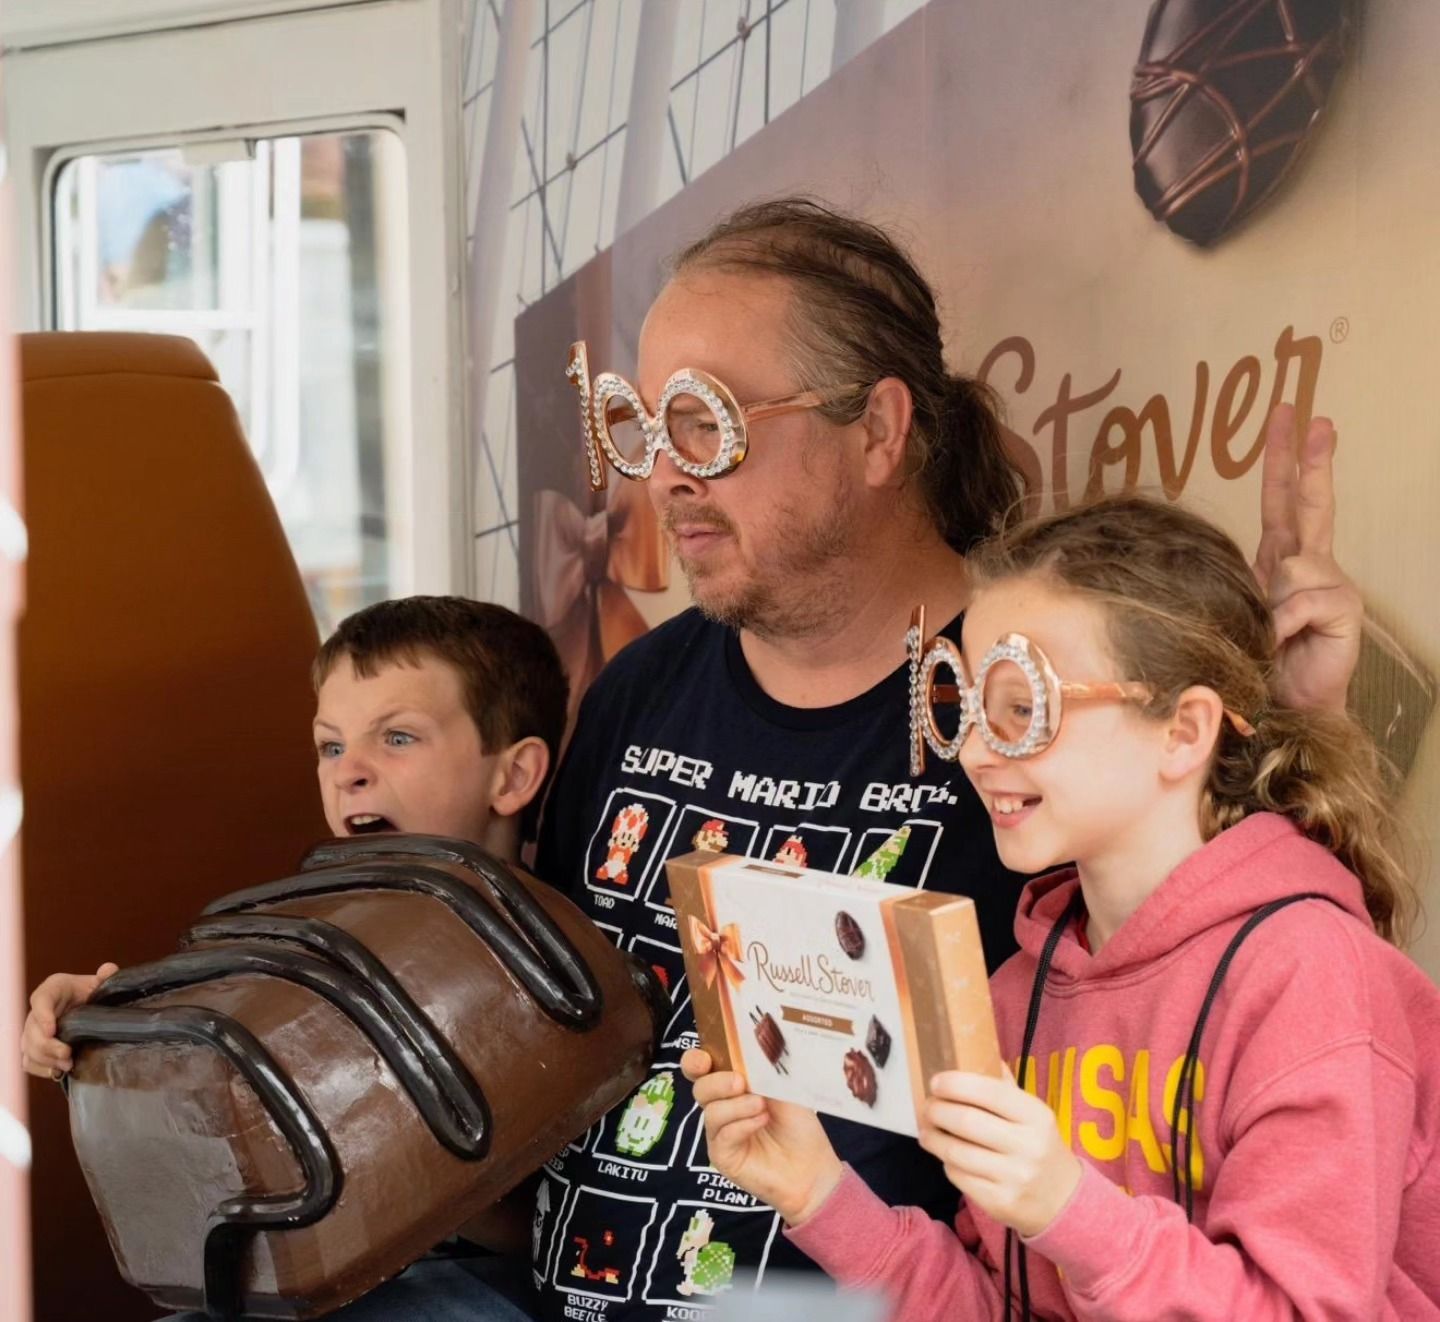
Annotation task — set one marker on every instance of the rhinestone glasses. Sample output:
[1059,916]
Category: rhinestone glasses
[1016,699]
[697,421]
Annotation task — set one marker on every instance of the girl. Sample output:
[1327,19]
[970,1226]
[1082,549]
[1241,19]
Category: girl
[1240,1077]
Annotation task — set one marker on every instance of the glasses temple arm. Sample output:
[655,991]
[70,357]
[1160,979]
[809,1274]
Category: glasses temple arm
[1135,692]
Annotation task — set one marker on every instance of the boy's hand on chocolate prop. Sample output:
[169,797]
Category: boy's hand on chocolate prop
[775,1151]
[1001,1149]
[41,1052]
[1318,613]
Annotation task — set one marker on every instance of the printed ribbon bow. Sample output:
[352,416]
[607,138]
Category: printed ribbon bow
[718,952]
[583,564]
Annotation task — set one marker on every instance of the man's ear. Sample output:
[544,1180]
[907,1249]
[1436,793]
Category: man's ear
[519,774]
[886,420]
[1191,732]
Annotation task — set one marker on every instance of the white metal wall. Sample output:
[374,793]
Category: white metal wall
[582,116]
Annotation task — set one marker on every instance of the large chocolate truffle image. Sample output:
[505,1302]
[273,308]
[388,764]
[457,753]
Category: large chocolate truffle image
[1225,96]
[338,1065]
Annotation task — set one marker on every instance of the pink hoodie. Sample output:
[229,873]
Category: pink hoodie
[1318,1141]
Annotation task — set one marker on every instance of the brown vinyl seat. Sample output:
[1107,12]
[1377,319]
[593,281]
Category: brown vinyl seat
[165,703]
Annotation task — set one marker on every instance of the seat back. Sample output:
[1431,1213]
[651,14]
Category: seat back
[165,703]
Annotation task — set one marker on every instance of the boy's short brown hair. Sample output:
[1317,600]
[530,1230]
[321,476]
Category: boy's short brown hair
[514,683]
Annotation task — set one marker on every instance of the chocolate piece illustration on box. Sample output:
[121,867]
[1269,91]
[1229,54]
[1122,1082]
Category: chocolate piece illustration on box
[860,1077]
[493,1021]
[849,935]
[770,1038]
[877,1042]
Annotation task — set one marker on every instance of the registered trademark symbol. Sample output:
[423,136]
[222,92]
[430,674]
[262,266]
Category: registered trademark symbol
[1340,329]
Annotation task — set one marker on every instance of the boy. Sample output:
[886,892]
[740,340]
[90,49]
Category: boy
[434,715]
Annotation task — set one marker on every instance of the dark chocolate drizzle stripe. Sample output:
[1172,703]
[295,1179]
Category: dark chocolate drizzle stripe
[1233,151]
[234,1221]
[347,993]
[538,955]
[456,1085]
[511,894]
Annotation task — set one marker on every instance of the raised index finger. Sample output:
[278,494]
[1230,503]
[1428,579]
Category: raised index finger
[1315,500]
[1279,534]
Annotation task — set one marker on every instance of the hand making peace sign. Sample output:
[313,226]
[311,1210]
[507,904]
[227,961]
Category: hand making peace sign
[1318,611]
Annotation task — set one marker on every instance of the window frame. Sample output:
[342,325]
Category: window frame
[393,67]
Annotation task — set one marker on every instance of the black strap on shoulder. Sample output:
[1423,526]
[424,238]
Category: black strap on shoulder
[1184,1104]
[1032,1021]
[1182,1177]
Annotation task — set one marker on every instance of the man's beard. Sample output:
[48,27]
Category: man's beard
[803,582]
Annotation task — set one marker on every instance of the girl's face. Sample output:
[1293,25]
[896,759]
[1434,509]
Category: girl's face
[1086,797]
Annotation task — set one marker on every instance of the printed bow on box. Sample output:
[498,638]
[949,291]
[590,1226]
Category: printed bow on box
[717,952]
[583,564]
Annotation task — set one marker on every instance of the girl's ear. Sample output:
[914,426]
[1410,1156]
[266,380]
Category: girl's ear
[1191,733]
[519,774]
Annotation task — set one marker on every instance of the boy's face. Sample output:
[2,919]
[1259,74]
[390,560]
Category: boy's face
[400,752]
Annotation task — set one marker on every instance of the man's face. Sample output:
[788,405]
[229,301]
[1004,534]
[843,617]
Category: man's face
[764,547]
[399,752]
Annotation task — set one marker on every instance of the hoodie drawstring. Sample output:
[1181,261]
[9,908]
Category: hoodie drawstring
[1184,1086]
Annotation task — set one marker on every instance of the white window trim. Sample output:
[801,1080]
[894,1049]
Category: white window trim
[25,24]
[395,62]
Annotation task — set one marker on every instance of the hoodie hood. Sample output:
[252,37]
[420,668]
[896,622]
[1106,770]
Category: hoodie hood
[1264,858]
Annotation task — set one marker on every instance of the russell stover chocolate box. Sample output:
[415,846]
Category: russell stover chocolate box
[841,993]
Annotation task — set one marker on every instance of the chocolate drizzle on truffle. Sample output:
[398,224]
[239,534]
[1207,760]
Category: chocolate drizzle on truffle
[1225,96]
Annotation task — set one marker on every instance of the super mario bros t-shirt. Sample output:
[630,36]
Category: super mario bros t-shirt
[678,748]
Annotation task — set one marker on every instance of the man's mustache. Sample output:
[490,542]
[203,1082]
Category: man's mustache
[693,516]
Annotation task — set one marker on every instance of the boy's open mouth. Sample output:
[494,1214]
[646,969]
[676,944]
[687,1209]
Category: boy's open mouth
[368,823]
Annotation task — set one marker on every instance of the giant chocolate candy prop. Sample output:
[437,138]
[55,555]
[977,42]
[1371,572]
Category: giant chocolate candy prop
[344,1066]
[1225,96]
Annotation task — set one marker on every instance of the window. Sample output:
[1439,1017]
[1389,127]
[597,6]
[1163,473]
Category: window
[285,260]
